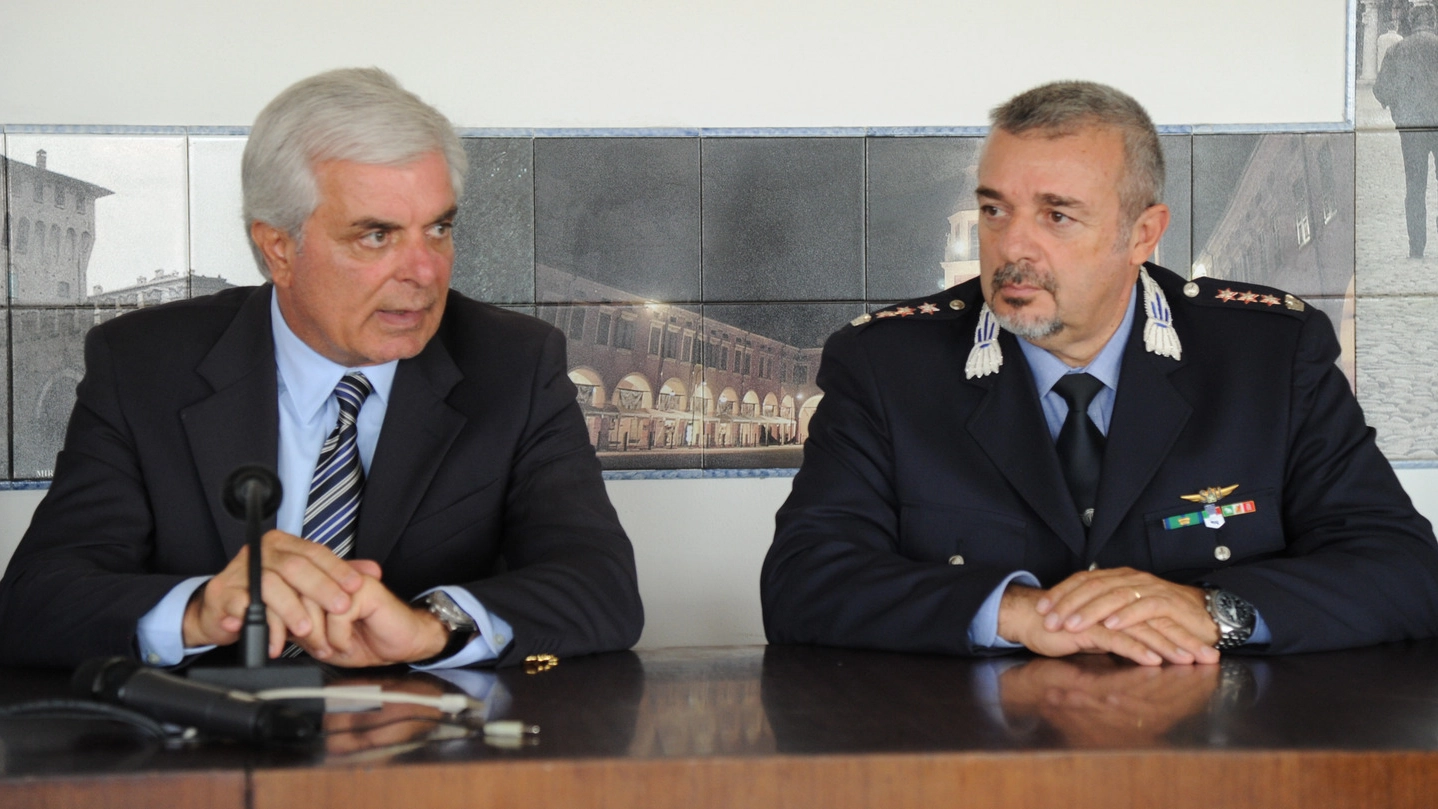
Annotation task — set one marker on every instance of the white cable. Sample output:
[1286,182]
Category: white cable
[445,703]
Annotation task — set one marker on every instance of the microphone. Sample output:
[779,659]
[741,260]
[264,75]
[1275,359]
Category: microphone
[252,493]
[252,479]
[215,710]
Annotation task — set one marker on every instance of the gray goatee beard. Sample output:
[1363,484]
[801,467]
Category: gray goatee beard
[1028,328]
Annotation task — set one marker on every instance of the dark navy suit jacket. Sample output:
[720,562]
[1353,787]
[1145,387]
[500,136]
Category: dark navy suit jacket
[909,465]
[483,477]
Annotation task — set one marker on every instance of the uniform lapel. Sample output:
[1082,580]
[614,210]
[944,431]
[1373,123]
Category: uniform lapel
[1148,415]
[1009,425]
[239,423]
[419,427]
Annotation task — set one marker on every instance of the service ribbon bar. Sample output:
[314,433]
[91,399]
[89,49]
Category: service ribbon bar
[1196,517]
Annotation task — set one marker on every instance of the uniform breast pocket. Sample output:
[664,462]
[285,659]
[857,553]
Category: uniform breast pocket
[931,532]
[1180,541]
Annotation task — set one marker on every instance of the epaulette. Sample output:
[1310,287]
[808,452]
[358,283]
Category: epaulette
[946,305]
[1228,294]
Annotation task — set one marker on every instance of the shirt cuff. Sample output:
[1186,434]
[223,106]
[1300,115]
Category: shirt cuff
[984,629]
[1261,636]
[160,633]
[494,632]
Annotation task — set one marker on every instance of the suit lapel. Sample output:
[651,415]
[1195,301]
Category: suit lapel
[1009,425]
[1148,415]
[239,423]
[419,427]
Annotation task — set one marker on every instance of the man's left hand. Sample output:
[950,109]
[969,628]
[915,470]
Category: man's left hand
[377,630]
[1124,599]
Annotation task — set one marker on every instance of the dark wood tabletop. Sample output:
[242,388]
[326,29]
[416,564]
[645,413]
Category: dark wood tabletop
[794,726]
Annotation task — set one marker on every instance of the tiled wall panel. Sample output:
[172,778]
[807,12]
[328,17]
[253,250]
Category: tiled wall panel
[671,260]
[494,234]
[783,219]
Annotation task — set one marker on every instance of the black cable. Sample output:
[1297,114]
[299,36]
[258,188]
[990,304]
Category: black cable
[87,709]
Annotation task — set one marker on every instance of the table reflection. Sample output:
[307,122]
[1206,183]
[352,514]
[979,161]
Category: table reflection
[1102,701]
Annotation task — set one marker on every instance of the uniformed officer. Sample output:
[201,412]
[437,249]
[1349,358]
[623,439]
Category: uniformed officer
[1079,451]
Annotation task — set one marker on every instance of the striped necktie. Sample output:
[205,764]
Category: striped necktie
[335,489]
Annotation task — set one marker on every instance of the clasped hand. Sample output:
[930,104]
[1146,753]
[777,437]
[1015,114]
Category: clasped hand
[336,610]
[1128,612]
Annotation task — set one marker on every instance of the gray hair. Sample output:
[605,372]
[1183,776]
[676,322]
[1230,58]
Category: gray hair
[357,114]
[1064,107]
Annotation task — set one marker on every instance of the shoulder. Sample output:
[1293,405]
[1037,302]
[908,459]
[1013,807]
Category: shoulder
[1202,295]
[180,324]
[470,327]
[952,304]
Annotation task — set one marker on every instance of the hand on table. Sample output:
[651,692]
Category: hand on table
[300,582]
[378,629]
[1104,611]
[1166,617]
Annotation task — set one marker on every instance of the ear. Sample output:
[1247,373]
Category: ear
[278,248]
[1147,230]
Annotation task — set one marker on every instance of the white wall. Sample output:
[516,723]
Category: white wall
[711,63]
[718,63]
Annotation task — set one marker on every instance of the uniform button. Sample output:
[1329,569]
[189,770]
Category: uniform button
[956,559]
[1093,566]
[956,304]
[1088,517]
[1221,553]
[1190,289]
[153,659]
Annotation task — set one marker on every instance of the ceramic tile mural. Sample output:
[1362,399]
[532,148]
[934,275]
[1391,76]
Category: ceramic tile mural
[697,277]
[107,218]
[922,215]
[622,213]
[1175,250]
[1277,209]
[219,241]
[494,234]
[1395,85]
[783,219]
[639,371]
[47,360]
[1397,343]
[759,375]
[1395,221]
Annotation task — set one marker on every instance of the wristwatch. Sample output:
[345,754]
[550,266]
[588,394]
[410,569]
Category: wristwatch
[1234,616]
[462,628]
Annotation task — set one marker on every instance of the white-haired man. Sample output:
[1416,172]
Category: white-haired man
[443,505]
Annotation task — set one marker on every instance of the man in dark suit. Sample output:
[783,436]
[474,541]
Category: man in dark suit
[1079,451]
[430,446]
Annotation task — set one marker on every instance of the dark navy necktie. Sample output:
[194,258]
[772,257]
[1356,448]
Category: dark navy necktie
[1080,442]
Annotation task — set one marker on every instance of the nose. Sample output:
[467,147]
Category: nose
[426,262]
[1014,241]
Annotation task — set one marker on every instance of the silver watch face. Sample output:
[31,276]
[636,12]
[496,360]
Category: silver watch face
[448,612]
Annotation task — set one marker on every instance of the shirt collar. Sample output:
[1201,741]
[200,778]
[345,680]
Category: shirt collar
[1047,368]
[308,377]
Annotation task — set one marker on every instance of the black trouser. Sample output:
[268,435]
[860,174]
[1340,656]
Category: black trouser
[1417,145]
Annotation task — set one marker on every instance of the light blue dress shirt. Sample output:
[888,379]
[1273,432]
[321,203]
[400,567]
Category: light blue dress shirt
[308,413]
[1046,370]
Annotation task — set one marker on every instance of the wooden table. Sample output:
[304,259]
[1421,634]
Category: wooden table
[806,726]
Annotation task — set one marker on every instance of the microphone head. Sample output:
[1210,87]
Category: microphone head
[101,677]
[252,477]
